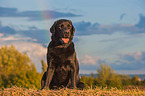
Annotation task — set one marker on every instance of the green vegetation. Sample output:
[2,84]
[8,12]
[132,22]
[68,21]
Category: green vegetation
[107,78]
[17,69]
[44,66]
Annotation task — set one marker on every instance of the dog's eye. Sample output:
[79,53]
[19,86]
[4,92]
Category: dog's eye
[62,26]
[68,26]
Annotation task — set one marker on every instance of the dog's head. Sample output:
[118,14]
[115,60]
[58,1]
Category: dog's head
[62,31]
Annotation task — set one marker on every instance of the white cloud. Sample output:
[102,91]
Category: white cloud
[35,51]
[130,61]
[140,71]
[15,37]
[89,60]
[87,28]
[9,38]
[1,34]
[136,56]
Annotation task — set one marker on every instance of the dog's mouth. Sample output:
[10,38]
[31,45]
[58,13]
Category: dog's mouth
[65,40]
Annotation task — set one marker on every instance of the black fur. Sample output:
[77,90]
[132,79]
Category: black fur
[63,67]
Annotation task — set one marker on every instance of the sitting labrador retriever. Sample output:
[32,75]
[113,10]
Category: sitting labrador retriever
[63,66]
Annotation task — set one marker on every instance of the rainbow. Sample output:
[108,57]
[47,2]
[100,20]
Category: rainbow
[45,15]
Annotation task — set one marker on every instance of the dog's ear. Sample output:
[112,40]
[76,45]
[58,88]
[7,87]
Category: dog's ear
[73,28]
[52,29]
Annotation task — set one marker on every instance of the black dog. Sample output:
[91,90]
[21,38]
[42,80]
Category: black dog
[63,67]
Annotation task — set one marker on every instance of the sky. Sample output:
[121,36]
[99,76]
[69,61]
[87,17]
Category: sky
[108,31]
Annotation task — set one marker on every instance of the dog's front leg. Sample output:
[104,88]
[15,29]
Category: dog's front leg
[50,72]
[73,76]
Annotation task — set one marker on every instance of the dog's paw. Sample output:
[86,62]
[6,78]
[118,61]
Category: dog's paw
[45,88]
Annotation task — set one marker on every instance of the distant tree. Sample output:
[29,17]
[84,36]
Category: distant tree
[1,82]
[44,66]
[143,82]
[92,75]
[17,69]
[126,80]
[107,77]
[136,80]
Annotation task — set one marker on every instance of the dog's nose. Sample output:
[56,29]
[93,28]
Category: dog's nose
[66,34]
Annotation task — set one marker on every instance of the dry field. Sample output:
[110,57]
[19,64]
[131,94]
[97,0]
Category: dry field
[98,91]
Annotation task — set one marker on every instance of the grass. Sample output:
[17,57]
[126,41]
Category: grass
[98,91]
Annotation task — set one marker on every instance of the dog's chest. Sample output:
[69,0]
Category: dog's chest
[62,52]
[62,70]
[61,73]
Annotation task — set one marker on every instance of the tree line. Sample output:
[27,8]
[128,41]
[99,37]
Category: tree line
[107,78]
[17,69]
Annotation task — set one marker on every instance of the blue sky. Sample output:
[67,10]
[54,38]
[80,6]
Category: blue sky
[112,31]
